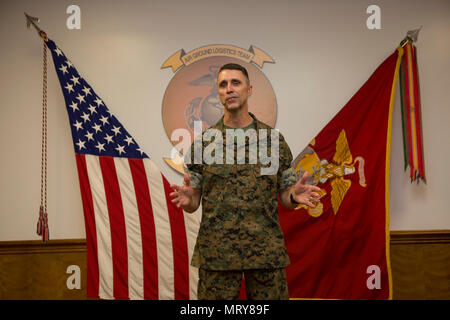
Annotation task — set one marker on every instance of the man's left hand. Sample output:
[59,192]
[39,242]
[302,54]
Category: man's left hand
[305,193]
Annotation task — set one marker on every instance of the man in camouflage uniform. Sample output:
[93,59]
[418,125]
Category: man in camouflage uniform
[240,233]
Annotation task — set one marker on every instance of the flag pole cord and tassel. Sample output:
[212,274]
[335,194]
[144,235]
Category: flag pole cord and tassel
[411,109]
[42,224]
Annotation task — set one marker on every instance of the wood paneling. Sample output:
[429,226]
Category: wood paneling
[33,270]
[420,262]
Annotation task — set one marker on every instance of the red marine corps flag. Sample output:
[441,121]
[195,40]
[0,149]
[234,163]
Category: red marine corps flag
[340,248]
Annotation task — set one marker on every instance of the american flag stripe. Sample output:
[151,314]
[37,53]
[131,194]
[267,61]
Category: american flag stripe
[104,251]
[133,229]
[178,232]
[149,254]
[192,225]
[138,243]
[92,279]
[117,224]
[162,226]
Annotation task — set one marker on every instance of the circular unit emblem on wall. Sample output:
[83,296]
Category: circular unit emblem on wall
[192,93]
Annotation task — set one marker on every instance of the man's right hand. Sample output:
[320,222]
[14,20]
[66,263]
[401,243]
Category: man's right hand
[185,196]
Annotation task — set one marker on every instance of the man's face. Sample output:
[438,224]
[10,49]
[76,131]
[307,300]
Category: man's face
[234,89]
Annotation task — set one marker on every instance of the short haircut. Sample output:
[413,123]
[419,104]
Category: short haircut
[235,66]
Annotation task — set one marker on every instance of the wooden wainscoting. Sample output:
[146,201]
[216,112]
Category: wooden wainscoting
[33,270]
[420,262]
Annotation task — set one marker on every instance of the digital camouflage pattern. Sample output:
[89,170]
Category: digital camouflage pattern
[226,285]
[240,227]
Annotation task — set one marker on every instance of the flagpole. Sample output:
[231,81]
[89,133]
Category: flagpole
[32,21]
[411,36]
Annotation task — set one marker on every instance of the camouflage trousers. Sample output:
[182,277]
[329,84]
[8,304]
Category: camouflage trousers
[260,284]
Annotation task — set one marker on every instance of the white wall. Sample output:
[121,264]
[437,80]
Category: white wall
[323,53]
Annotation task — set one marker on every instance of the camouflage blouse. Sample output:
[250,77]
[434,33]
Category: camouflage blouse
[240,227]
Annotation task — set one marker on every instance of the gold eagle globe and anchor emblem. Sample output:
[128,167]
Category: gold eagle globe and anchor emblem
[321,171]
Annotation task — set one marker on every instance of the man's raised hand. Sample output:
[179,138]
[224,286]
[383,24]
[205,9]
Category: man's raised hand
[182,195]
[305,193]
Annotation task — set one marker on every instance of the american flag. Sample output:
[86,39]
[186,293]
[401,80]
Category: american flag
[139,244]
